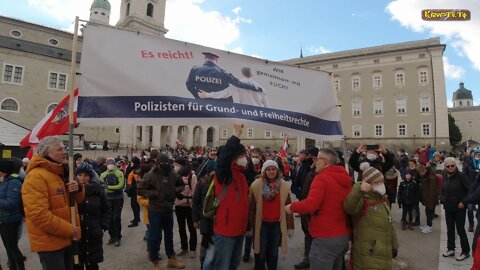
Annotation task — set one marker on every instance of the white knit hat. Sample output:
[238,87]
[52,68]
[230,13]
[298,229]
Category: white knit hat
[269,163]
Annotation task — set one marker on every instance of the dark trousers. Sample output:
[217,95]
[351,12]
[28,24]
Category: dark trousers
[57,260]
[115,229]
[270,236]
[430,213]
[135,207]
[158,222]
[308,239]
[407,209]
[247,248]
[471,221]
[417,212]
[9,232]
[184,218]
[83,266]
[456,218]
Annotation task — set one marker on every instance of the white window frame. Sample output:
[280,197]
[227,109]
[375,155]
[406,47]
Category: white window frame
[423,131]
[56,88]
[14,99]
[282,135]
[422,79]
[378,107]
[399,80]
[401,106]
[116,130]
[356,109]
[404,129]
[336,84]
[46,110]
[375,130]
[357,128]
[13,74]
[377,80]
[469,124]
[250,133]
[356,83]
[268,134]
[224,133]
[425,101]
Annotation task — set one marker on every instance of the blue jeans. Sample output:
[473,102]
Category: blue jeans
[270,236]
[160,221]
[209,261]
[248,245]
[228,251]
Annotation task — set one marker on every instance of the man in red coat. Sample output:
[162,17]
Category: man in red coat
[328,222]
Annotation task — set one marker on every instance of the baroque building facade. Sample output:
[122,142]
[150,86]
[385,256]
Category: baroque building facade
[466,115]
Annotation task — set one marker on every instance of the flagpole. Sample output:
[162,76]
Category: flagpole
[71,86]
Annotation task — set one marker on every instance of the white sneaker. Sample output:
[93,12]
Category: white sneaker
[422,227]
[427,229]
[449,253]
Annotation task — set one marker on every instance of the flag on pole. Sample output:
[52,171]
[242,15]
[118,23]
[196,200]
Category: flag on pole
[283,151]
[54,123]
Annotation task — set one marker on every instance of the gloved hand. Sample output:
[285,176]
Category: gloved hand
[394,253]
[290,233]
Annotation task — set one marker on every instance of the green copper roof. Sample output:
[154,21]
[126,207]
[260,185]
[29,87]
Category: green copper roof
[101,4]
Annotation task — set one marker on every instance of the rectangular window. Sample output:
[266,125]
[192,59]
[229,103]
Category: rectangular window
[268,134]
[356,83]
[469,124]
[356,131]
[401,105]
[402,130]
[377,81]
[282,135]
[426,129]
[399,79]
[378,107]
[336,84]
[398,58]
[224,133]
[424,104]
[57,81]
[12,74]
[356,108]
[378,130]
[422,55]
[422,77]
[250,133]
[117,130]
[376,61]
[335,66]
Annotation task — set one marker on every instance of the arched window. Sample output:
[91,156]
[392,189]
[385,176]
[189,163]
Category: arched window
[51,107]
[9,104]
[150,10]
[128,10]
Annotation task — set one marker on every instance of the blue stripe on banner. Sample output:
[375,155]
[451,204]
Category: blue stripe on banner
[177,107]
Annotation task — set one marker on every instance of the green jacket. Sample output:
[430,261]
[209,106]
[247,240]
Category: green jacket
[114,190]
[374,235]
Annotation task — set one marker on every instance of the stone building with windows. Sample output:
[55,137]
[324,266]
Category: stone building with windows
[467,116]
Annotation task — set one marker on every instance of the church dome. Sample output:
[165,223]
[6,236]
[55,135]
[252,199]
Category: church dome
[462,93]
[101,4]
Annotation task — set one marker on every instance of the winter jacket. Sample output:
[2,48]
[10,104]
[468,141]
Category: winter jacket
[160,189]
[256,212]
[143,202]
[201,189]
[408,193]
[356,159]
[304,168]
[95,217]
[46,204]
[391,183]
[11,208]
[429,196]
[454,190]
[374,237]
[324,202]
[114,190]
[188,184]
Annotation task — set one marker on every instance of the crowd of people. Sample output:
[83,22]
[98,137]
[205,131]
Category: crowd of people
[239,200]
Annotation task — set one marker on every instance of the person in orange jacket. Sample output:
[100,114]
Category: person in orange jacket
[45,195]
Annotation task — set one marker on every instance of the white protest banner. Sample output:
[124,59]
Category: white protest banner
[129,77]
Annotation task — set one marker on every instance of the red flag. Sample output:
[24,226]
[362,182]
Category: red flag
[283,150]
[180,144]
[54,123]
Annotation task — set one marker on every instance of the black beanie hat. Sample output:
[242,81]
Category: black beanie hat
[7,166]
[85,167]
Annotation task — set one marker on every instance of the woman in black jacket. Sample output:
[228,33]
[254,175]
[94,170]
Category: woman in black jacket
[95,218]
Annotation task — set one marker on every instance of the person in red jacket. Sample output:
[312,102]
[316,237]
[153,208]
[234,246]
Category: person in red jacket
[328,221]
[231,218]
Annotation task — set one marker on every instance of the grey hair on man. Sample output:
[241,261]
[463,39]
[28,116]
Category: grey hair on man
[46,143]
[330,155]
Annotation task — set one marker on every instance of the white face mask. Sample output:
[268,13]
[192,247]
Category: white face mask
[371,157]
[110,167]
[255,161]
[380,189]
[242,162]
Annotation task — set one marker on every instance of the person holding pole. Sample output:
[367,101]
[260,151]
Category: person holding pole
[45,195]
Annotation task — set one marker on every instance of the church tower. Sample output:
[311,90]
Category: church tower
[462,97]
[145,16]
[100,12]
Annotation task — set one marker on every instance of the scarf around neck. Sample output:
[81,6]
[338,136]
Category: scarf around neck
[271,189]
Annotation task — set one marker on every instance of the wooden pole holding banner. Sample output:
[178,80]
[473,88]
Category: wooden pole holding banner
[71,87]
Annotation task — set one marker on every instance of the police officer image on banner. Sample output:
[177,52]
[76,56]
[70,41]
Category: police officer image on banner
[211,78]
